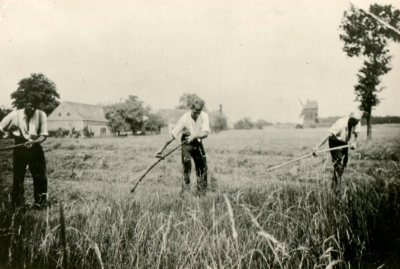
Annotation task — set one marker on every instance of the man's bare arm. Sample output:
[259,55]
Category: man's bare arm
[322,142]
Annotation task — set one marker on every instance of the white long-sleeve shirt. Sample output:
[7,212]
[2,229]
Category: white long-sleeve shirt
[340,129]
[16,123]
[186,121]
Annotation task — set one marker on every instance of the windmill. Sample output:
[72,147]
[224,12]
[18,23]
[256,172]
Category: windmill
[302,105]
[309,113]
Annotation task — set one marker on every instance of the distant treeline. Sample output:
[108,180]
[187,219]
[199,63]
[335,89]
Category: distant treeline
[383,120]
[247,123]
[374,120]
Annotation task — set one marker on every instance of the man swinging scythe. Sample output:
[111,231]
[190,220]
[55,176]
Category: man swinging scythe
[342,133]
[193,126]
[29,129]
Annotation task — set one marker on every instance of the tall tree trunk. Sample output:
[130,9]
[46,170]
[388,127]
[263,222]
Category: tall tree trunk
[369,127]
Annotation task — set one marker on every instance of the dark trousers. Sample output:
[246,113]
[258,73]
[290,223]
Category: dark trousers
[196,151]
[339,159]
[33,158]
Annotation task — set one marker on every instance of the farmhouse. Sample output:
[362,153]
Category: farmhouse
[76,116]
[310,113]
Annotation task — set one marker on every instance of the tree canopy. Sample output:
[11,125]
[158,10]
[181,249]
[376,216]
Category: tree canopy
[39,85]
[364,35]
[245,123]
[219,122]
[153,122]
[186,100]
[131,115]
[260,123]
[116,120]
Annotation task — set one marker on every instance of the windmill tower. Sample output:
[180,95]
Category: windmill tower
[309,113]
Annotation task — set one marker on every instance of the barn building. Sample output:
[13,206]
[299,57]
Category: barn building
[310,114]
[76,116]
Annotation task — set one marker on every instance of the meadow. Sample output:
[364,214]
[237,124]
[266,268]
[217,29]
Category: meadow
[250,218]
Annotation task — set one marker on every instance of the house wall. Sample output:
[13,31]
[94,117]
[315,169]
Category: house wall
[65,117]
[65,124]
[98,128]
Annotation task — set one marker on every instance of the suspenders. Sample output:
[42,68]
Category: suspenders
[38,123]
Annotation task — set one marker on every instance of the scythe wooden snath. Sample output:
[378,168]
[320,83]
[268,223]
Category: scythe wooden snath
[12,147]
[154,164]
[306,156]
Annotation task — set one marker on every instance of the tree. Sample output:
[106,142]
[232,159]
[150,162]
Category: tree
[186,100]
[132,115]
[127,115]
[262,123]
[133,112]
[365,36]
[39,85]
[116,121]
[3,112]
[154,122]
[219,123]
[244,123]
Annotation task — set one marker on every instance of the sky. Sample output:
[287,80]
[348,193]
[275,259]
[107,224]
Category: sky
[256,58]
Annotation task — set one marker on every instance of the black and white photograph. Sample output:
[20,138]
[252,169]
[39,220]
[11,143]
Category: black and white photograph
[200,134]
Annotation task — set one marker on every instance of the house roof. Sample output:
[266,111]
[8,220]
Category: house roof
[86,111]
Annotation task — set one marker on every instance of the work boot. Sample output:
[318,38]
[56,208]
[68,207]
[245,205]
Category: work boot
[42,202]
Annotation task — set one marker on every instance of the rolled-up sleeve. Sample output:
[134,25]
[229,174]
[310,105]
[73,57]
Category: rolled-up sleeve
[6,123]
[336,128]
[178,127]
[43,124]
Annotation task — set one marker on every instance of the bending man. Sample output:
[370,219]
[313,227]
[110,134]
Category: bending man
[28,126]
[343,132]
[192,127]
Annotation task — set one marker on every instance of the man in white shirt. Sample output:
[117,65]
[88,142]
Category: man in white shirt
[28,126]
[343,132]
[192,127]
